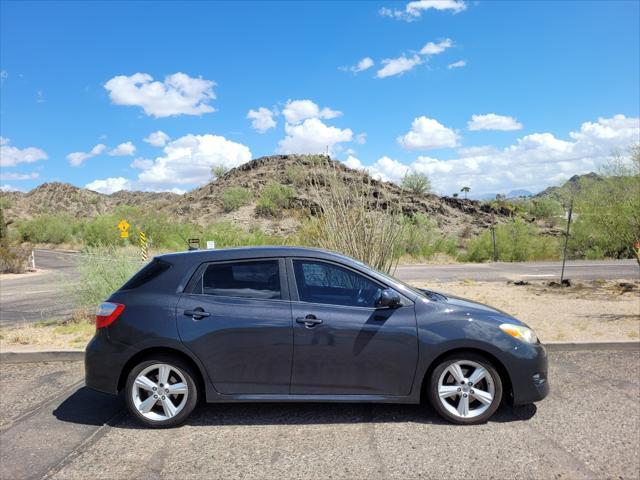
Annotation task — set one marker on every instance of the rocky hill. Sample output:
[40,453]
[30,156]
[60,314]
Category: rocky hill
[204,204]
[569,188]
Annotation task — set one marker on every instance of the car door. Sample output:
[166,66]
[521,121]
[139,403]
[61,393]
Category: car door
[236,317]
[343,345]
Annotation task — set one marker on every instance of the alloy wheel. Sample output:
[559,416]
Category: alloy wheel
[466,389]
[159,392]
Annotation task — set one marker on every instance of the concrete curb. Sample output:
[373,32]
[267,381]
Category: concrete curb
[35,356]
[626,346]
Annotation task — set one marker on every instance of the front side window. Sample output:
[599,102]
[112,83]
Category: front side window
[253,279]
[320,282]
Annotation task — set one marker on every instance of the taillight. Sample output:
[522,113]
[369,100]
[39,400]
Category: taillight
[107,313]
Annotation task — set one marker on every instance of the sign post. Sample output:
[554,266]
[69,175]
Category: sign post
[144,251]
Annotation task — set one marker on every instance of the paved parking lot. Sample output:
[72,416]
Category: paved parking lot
[589,427]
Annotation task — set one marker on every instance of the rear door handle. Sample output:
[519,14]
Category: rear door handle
[196,313]
[309,321]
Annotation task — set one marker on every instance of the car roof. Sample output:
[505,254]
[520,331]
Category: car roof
[253,252]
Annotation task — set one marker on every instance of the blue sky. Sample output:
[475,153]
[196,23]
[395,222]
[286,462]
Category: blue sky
[553,87]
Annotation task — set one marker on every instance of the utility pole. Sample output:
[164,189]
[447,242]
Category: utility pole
[566,241]
[493,236]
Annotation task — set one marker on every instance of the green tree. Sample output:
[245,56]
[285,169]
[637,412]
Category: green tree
[465,190]
[416,182]
[611,206]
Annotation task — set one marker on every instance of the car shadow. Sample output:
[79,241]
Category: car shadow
[88,407]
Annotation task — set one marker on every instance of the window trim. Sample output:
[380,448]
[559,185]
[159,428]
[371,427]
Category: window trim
[293,285]
[199,272]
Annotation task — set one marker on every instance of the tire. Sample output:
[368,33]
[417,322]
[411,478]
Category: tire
[176,399]
[481,402]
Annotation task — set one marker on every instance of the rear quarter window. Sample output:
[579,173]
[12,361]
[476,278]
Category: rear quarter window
[149,272]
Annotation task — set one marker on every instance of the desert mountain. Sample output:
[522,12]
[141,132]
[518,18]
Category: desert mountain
[204,204]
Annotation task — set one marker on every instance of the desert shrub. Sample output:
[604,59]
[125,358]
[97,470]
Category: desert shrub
[355,218]
[226,234]
[421,239]
[218,171]
[544,208]
[297,175]
[235,197]
[13,259]
[48,228]
[416,182]
[273,199]
[102,271]
[516,241]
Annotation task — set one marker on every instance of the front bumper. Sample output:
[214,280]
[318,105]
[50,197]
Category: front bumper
[529,375]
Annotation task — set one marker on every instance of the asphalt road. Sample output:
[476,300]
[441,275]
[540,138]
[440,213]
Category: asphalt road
[500,271]
[43,296]
[588,427]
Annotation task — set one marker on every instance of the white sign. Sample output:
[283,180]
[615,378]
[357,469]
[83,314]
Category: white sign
[211,244]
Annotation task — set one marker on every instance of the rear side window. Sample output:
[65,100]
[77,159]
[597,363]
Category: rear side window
[253,279]
[147,273]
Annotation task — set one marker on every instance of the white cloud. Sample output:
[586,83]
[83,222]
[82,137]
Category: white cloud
[361,66]
[398,66]
[3,75]
[9,188]
[491,121]
[11,156]
[436,48]
[458,64]
[157,139]
[188,161]
[18,176]
[312,136]
[385,168]
[261,119]
[296,111]
[141,163]
[534,161]
[109,185]
[178,94]
[413,10]
[125,149]
[427,133]
[361,138]
[77,158]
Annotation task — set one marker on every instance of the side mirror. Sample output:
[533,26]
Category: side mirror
[388,298]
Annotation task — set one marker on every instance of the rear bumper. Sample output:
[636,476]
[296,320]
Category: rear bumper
[529,375]
[103,362]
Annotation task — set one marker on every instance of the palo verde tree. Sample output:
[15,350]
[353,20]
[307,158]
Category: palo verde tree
[609,207]
[416,182]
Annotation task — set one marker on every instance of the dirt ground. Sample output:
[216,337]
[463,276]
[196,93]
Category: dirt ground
[585,311]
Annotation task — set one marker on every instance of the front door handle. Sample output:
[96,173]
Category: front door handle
[309,321]
[196,313]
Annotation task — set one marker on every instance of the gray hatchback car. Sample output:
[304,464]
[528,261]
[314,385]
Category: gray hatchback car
[282,324]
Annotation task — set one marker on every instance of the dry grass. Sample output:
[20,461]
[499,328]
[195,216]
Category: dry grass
[586,311]
[54,335]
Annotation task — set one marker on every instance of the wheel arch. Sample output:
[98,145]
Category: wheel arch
[166,351]
[507,386]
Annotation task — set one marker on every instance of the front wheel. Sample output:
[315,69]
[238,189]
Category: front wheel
[465,389]
[161,392]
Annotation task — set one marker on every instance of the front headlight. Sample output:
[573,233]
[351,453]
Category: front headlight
[521,333]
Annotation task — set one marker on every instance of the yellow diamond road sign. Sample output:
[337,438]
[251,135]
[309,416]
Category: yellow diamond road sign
[124,228]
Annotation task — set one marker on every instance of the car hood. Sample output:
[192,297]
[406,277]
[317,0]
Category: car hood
[464,305]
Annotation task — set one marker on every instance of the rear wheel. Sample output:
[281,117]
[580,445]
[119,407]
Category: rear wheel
[161,392]
[465,388]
